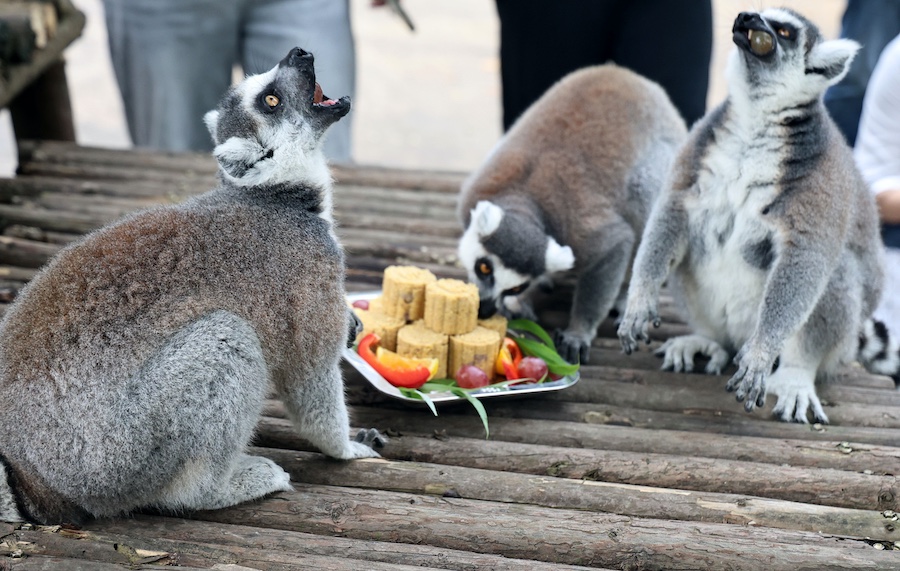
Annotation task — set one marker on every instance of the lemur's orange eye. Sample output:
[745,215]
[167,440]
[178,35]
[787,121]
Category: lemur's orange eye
[484,269]
[272,100]
[784,32]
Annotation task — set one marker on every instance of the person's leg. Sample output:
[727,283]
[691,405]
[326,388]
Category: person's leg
[173,61]
[872,23]
[540,42]
[274,27]
[671,44]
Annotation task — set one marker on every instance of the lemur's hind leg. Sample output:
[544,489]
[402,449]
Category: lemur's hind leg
[679,353]
[218,361]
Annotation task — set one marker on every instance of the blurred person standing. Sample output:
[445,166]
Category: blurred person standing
[877,153]
[665,41]
[173,60]
[872,23]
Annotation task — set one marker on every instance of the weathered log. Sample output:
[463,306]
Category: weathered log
[198,541]
[718,402]
[16,274]
[32,186]
[702,384]
[114,551]
[46,152]
[720,420]
[549,535]
[822,486]
[50,220]
[25,253]
[607,352]
[52,152]
[573,479]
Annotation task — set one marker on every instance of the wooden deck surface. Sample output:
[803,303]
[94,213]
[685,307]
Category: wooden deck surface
[631,468]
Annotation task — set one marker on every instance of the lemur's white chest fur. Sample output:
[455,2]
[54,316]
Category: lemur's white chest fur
[736,181]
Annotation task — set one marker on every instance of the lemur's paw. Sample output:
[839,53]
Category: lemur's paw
[573,347]
[679,353]
[749,382]
[796,392]
[635,323]
[371,438]
[355,328]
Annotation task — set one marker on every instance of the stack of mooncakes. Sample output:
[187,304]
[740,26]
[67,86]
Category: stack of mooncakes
[419,315]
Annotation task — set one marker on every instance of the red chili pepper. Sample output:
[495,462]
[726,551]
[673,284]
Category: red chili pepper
[408,378]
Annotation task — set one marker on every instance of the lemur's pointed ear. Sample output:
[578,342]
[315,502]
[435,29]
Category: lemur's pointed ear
[212,120]
[832,59]
[486,217]
[237,156]
[558,258]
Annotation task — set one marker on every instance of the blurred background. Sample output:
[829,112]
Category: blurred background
[427,99]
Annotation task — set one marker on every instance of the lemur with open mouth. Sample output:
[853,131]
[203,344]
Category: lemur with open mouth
[135,365]
[767,235]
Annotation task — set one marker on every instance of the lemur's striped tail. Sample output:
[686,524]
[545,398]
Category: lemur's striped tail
[879,351]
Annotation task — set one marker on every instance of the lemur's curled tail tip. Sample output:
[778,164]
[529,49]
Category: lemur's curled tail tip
[879,351]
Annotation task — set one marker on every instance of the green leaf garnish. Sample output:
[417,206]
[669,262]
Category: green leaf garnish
[529,326]
[479,408]
[417,394]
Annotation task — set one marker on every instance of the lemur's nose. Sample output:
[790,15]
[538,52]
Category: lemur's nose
[296,55]
[748,19]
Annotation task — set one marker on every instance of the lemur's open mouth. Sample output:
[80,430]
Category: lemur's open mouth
[751,33]
[321,99]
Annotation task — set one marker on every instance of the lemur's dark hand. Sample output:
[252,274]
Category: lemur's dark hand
[355,328]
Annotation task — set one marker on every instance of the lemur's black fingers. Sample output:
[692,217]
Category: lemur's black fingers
[371,438]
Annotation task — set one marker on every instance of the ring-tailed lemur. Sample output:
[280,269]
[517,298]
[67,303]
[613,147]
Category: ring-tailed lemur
[134,366]
[768,234]
[569,188]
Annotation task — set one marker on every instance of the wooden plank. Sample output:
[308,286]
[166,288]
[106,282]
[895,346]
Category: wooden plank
[548,535]
[46,153]
[761,476]
[260,547]
[571,479]
[838,455]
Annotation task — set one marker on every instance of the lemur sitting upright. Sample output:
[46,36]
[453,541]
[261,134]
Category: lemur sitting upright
[569,188]
[134,366]
[768,234]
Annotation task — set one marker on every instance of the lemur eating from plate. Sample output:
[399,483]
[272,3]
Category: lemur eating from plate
[767,235]
[135,365]
[565,194]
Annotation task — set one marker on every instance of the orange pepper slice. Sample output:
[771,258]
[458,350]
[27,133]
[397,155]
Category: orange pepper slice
[405,372]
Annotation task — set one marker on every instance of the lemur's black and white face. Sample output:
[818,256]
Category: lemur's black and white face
[268,125]
[782,54]
[505,254]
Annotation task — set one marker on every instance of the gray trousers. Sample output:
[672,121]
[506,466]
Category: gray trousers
[173,60]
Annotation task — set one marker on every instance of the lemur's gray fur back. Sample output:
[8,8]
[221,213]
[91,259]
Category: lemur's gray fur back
[569,188]
[768,229]
[134,366]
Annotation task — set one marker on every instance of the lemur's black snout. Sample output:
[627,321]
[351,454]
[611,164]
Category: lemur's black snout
[297,57]
[748,21]
[486,308]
